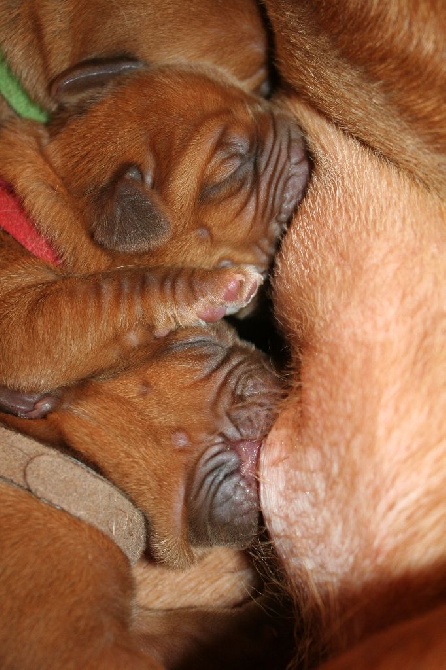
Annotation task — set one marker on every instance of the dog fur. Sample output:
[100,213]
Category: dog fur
[201,401]
[63,635]
[40,40]
[353,474]
[366,81]
[376,71]
[156,225]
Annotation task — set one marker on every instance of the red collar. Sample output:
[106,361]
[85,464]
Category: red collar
[14,221]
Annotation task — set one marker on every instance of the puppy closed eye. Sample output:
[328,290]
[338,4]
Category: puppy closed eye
[231,163]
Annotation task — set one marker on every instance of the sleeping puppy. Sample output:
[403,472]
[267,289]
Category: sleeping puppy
[40,40]
[158,220]
[200,403]
[353,473]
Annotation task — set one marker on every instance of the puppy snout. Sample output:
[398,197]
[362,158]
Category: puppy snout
[223,496]
[256,397]
[284,165]
[222,492]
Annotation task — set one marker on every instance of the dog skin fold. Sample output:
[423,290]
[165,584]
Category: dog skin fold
[190,394]
[216,246]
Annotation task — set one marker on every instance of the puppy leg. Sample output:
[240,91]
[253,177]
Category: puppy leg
[66,592]
[56,330]
[44,198]
[29,405]
[213,613]
[238,638]
[68,604]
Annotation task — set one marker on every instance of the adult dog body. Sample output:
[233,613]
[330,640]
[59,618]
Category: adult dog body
[353,473]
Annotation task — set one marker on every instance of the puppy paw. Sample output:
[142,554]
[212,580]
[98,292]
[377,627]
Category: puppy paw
[26,405]
[206,296]
[235,289]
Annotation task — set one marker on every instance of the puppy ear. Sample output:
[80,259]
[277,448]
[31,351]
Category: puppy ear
[128,216]
[89,76]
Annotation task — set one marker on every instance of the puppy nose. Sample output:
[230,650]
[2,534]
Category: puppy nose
[248,453]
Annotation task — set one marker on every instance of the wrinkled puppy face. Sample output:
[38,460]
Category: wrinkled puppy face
[180,432]
[181,166]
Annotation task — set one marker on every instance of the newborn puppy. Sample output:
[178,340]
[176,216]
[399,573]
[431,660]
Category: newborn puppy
[180,162]
[133,199]
[178,429]
[200,402]
[40,41]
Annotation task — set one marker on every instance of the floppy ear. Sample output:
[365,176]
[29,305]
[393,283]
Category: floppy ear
[88,76]
[128,215]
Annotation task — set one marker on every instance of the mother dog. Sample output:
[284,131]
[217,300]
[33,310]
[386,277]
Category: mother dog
[354,472]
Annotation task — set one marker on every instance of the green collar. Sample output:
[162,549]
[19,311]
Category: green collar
[16,97]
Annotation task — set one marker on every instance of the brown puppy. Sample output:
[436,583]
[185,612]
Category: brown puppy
[121,186]
[353,473]
[200,401]
[41,40]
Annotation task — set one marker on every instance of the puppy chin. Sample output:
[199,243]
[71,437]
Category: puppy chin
[223,497]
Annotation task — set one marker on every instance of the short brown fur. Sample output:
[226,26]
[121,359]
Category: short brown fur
[68,600]
[353,471]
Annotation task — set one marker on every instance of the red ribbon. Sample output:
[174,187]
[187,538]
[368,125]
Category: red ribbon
[15,221]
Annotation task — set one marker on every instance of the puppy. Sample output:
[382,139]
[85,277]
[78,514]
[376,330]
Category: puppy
[200,402]
[353,472]
[40,41]
[156,223]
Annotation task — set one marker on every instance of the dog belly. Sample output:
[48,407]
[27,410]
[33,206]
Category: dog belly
[353,469]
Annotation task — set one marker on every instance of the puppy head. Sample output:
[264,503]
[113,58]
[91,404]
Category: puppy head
[179,431]
[177,164]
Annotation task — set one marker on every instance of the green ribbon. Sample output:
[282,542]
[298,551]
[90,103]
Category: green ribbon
[16,97]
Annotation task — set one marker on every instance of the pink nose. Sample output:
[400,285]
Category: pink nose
[248,451]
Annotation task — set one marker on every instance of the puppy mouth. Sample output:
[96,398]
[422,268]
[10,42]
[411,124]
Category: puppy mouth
[296,180]
[223,496]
